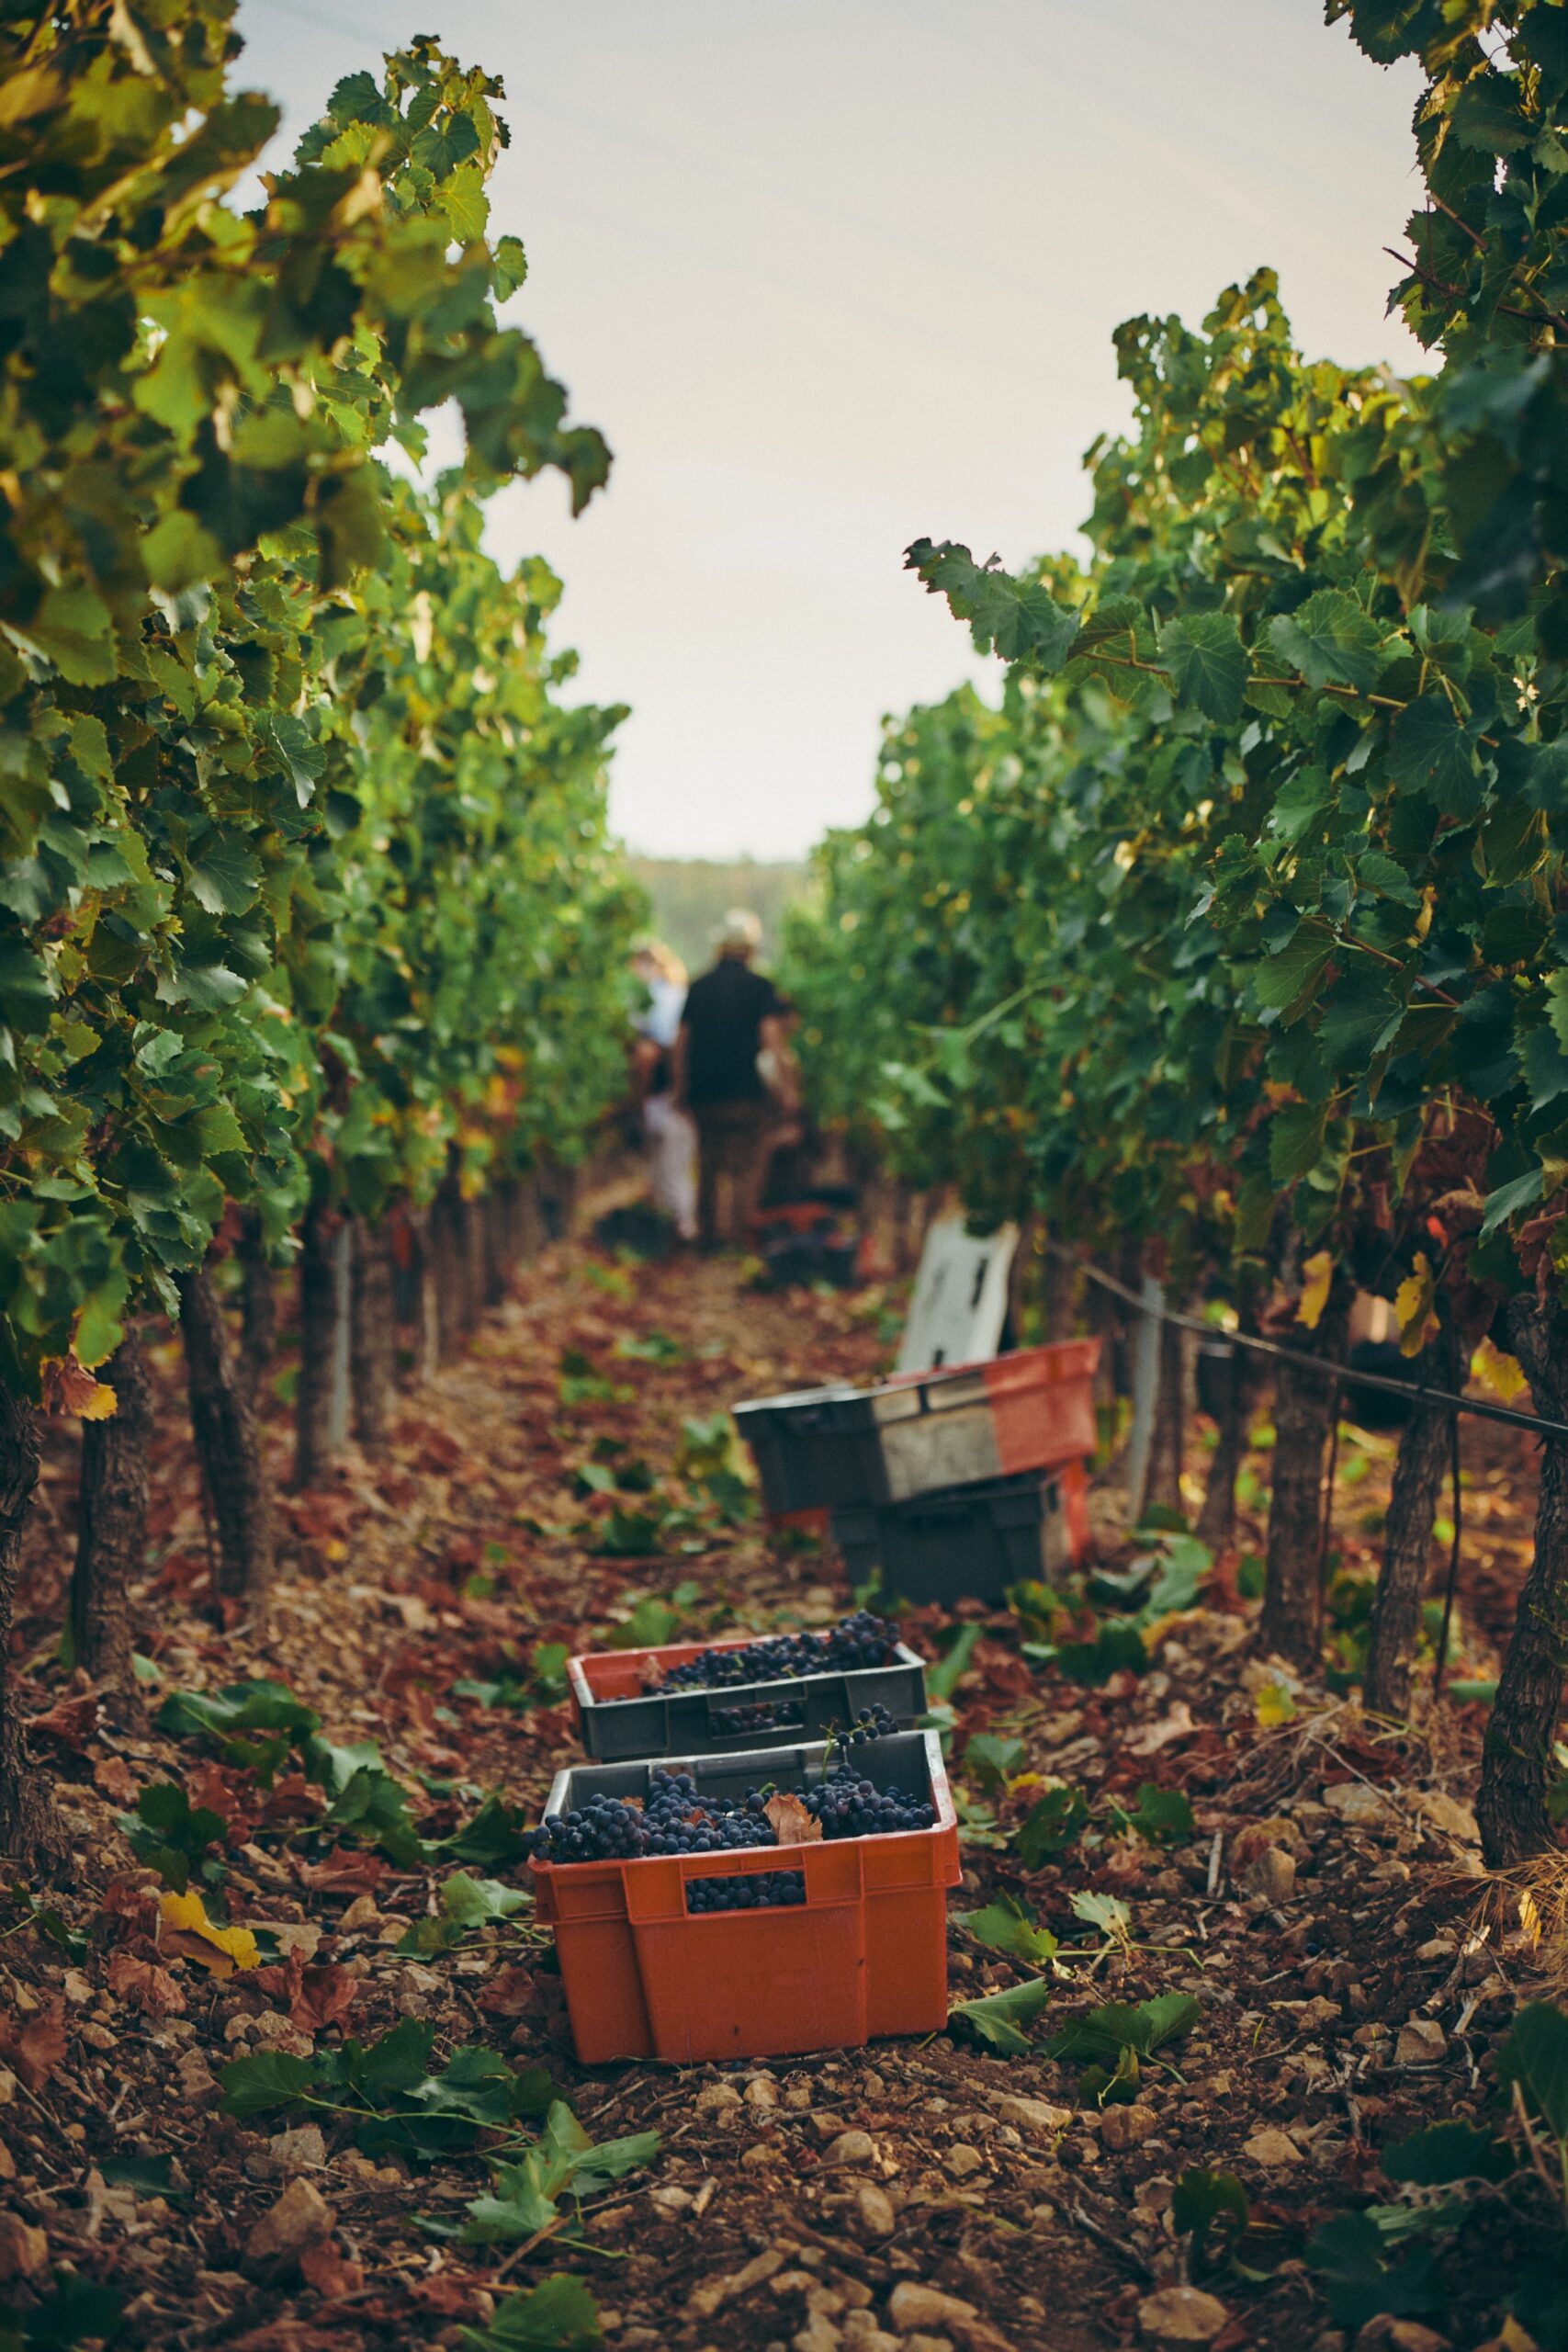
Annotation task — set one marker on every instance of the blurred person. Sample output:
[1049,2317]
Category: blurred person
[670,1138]
[730,1022]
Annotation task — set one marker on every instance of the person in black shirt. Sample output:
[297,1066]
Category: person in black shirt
[732,1016]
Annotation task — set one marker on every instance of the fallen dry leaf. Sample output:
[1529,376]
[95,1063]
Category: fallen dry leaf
[113,1776]
[793,1825]
[36,2048]
[345,1871]
[69,1723]
[142,1984]
[1148,1738]
[508,1990]
[329,2271]
[314,1997]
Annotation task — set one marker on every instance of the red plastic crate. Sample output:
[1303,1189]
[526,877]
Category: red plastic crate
[922,1433]
[865,1955]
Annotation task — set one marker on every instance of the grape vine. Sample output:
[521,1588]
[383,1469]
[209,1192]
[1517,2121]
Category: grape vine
[1233,933]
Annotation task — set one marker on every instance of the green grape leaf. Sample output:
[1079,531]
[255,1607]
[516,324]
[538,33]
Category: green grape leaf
[1207,661]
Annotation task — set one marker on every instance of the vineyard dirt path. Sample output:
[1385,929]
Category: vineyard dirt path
[1316,1912]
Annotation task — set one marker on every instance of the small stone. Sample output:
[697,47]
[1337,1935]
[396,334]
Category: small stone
[921,2342]
[962,2160]
[852,2148]
[911,2306]
[1422,2042]
[760,2151]
[920,2313]
[8,2087]
[361,1917]
[704,2301]
[756,2272]
[819,2335]
[1181,2315]
[1355,1803]
[716,2096]
[301,2150]
[1255,1838]
[1449,1815]
[797,2095]
[1035,2116]
[1127,2127]
[1271,2148]
[1273,1875]
[195,2077]
[99,2037]
[24,2252]
[762,2091]
[862,2333]
[301,2218]
[671,2199]
[875,2210]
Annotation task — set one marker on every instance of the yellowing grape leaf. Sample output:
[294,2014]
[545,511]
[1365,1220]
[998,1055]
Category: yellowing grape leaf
[1502,1373]
[187,1933]
[1319,1274]
[793,1825]
[1274,1706]
[68,1387]
[1413,1306]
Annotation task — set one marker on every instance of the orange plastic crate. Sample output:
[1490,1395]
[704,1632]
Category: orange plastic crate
[864,1956]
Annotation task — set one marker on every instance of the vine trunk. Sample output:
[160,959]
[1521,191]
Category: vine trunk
[1515,1768]
[111,1524]
[238,1494]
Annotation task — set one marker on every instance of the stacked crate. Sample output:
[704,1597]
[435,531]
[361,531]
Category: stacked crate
[954,1483]
[861,1949]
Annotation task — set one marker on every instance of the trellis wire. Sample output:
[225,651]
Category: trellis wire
[1414,1392]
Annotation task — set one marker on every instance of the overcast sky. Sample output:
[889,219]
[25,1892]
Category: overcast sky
[834,274]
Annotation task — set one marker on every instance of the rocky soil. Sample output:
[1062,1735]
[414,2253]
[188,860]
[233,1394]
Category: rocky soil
[1322,1906]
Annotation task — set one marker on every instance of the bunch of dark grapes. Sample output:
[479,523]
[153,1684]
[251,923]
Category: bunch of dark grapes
[736,1721]
[754,1891]
[848,1806]
[858,1641]
[872,1723]
[677,1820]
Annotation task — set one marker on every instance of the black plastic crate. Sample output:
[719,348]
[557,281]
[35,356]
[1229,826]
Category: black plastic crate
[814,1448]
[617,1725]
[961,1543]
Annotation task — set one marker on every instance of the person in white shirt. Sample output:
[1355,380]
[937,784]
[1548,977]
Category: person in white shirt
[672,1138]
